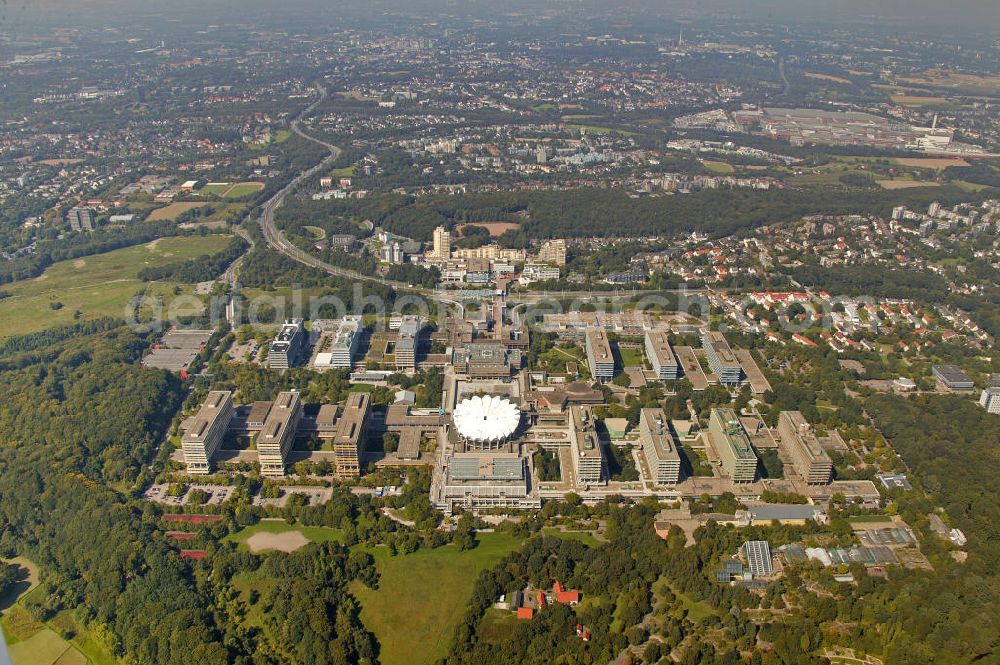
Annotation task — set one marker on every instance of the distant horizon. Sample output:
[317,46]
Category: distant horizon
[981,15]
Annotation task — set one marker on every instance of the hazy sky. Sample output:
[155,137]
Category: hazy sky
[984,15]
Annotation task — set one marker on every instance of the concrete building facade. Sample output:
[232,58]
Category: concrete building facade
[661,356]
[352,429]
[810,460]
[286,347]
[276,438]
[201,441]
[721,358]
[599,355]
[658,446]
[732,445]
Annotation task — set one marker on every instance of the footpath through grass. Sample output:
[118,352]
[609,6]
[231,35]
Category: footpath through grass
[422,597]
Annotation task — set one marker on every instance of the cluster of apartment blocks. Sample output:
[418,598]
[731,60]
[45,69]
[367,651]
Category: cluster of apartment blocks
[274,425]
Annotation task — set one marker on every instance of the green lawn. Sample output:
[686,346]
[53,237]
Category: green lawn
[720,168]
[343,172]
[585,537]
[317,534]
[422,596]
[281,136]
[595,129]
[239,191]
[44,648]
[215,189]
[99,285]
[631,357]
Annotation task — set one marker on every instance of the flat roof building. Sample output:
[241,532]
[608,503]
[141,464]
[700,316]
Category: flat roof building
[203,438]
[486,480]
[989,399]
[758,555]
[952,376]
[487,360]
[343,345]
[732,445]
[810,460]
[658,446]
[352,429]
[661,356]
[721,358]
[585,448]
[286,347]
[278,434]
[406,346]
[599,356]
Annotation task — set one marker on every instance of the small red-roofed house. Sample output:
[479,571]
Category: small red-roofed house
[525,613]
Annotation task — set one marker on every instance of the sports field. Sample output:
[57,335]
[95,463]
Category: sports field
[174,210]
[99,285]
[720,168]
[241,189]
[422,596]
[273,534]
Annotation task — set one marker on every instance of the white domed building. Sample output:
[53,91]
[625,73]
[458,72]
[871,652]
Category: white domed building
[486,422]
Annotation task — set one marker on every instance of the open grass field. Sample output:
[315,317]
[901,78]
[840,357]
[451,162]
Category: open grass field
[631,357]
[316,231]
[495,228]
[938,163]
[281,136]
[343,172]
[585,537]
[422,596]
[942,78]
[827,77]
[906,184]
[174,210]
[45,648]
[316,534]
[241,189]
[919,100]
[99,285]
[596,129]
[720,168]
[215,188]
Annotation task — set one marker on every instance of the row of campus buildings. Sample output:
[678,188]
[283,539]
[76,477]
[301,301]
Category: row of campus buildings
[272,428]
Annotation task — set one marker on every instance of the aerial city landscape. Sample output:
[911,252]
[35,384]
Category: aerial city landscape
[435,333]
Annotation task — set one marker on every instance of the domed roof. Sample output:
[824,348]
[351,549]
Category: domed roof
[486,418]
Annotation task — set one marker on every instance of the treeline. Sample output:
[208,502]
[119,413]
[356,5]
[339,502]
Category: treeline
[200,269]
[863,280]
[613,213]
[85,416]
[82,244]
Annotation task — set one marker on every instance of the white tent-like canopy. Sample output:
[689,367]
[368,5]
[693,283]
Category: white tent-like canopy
[486,418]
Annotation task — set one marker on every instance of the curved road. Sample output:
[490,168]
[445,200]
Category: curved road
[276,240]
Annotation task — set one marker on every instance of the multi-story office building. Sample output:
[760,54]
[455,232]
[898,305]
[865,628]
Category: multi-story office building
[352,428]
[588,459]
[442,244]
[538,272]
[276,438]
[721,358]
[990,399]
[659,447]
[661,356]
[343,345]
[808,457]
[286,347]
[599,356]
[553,251]
[82,219]
[732,445]
[406,345]
[203,438]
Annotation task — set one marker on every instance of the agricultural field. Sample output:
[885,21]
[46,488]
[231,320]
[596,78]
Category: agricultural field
[422,596]
[827,77]
[95,286]
[906,184]
[937,163]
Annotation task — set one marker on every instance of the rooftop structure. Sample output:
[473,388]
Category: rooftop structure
[599,356]
[952,376]
[758,556]
[486,421]
[204,436]
[658,446]
[721,358]
[732,445]
[278,434]
[487,360]
[487,479]
[810,460]
[349,440]
[661,356]
[406,345]
[287,345]
[344,336]
[585,447]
